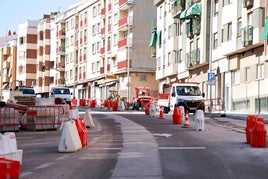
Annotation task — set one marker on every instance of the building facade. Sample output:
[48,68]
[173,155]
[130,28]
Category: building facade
[219,37]
[106,48]
[8,58]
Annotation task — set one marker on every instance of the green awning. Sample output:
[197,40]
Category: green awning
[158,40]
[183,14]
[153,38]
[265,31]
[191,12]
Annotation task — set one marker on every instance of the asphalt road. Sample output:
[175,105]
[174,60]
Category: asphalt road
[134,145]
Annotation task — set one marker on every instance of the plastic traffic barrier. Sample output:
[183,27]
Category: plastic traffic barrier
[258,133]
[249,125]
[9,168]
[82,131]
[70,140]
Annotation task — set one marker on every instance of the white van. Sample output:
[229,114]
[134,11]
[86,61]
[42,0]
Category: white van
[63,93]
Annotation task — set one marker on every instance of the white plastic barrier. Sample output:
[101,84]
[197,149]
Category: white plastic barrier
[89,120]
[73,113]
[152,110]
[70,140]
[8,147]
[199,120]
[121,106]
[182,114]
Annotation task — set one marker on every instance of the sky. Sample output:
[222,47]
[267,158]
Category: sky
[15,12]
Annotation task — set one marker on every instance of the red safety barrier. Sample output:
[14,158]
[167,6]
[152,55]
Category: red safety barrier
[115,106]
[249,125]
[147,108]
[82,102]
[82,131]
[93,103]
[258,133]
[9,168]
[74,102]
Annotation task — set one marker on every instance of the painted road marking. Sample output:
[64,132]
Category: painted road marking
[182,148]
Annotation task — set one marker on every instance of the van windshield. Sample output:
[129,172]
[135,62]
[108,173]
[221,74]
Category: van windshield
[188,91]
[61,91]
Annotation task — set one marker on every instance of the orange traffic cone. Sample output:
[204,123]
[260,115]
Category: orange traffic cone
[187,122]
[161,115]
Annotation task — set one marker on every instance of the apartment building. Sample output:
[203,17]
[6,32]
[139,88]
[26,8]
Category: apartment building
[8,57]
[106,48]
[44,64]
[182,42]
[27,53]
[223,37]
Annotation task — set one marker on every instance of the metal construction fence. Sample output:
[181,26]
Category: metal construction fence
[32,117]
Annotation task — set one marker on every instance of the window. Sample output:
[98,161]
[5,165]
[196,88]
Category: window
[169,59]
[235,77]
[21,41]
[94,11]
[229,31]
[247,74]
[239,26]
[260,71]
[215,42]
[143,77]
[216,7]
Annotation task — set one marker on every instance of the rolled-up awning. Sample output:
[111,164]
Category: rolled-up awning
[191,12]
[265,30]
[153,39]
[158,40]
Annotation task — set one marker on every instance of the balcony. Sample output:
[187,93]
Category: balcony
[109,28]
[124,23]
[60,66]
[177,6]
[103,32]
[122,64]
[76,26]
[61,81]
[101,70]
[6,64]
[103,12]
[102,51]
[6,50]
[193,58]
[247,36]
[125,4]
[61,34]
[61,50]
[109,7]
[122,43]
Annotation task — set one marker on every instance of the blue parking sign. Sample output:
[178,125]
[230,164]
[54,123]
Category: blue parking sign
[211,76]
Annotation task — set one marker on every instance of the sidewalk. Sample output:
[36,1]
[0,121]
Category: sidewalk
[238,116]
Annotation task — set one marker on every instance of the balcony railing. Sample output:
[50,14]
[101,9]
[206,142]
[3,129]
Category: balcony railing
[122,43]
[101,70]
[247,36]
[125,4]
